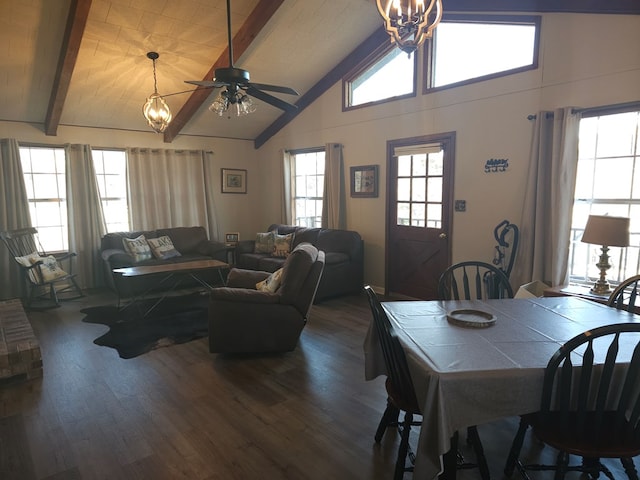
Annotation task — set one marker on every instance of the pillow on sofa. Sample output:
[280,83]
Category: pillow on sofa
[271,283]
[162,248]
[137,247]
[282,245]
[264,242]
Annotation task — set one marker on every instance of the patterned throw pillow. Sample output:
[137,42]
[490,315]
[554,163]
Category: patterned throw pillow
[48,271]
[264,242]
[282,245]
[271,283]
[138,248]
[163,248]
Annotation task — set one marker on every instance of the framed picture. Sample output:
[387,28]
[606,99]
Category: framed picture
[364,181]
[234,181]
[231,238]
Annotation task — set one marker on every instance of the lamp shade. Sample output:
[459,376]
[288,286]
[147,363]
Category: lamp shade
[605,230]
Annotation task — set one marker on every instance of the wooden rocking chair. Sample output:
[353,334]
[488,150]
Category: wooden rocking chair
[44,278]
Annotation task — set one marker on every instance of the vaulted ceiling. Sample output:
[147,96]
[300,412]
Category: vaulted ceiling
[84,63]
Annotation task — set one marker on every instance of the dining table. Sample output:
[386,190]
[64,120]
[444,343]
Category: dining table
[480,366]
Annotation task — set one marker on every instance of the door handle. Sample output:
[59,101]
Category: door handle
[443,236]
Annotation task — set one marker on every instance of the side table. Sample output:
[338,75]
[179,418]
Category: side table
[575,291]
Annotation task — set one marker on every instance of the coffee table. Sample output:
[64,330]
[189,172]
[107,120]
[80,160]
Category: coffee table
[173,271]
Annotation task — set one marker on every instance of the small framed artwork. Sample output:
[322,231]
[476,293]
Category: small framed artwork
[364,181]
[231,238]
[234,181]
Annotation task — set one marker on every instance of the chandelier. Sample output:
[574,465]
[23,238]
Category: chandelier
[233,98]
[408,23]
[155,109]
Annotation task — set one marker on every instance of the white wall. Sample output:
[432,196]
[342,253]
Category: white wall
[585,61]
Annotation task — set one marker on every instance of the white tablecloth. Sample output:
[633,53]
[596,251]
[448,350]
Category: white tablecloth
[470,376]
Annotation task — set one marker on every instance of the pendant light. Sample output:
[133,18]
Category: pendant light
[408,22]
[155,109]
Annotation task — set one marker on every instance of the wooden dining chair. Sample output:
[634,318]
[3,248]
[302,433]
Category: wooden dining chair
[473,280]
[626,296]
[592,411]
[401,395]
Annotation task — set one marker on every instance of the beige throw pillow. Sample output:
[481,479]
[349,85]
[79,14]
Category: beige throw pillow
[163,248]
[48,271]
[282,245]
[271,283]
[264,242]
[137,247]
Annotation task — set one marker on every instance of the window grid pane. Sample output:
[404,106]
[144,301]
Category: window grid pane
[111,175]
[390,76]
[309,188]
[419,190]
[467,50]
[43,171]
[607,183]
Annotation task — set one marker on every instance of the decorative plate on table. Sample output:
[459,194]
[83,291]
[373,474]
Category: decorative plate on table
[471,318]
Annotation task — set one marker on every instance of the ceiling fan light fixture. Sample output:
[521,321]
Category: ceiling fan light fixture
[243,103]
[155,109]
[408,22]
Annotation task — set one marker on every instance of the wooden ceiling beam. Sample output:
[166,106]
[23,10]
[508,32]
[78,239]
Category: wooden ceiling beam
[361,52]
[76,22]
[255,22]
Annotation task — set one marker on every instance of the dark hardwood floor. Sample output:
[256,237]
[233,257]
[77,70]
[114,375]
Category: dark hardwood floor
[183,413]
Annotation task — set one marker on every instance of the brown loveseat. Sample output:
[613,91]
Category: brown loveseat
[243,319]
[344,257]
[191,242]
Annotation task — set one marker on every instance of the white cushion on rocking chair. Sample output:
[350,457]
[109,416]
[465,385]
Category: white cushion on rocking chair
[49,269]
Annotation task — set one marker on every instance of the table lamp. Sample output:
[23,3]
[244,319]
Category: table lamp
[608,232]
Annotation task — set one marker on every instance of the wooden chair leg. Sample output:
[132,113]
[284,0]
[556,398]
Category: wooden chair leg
[516,447]
[389,417]
[404,447]
[479,451]
[562,464]
[629,468]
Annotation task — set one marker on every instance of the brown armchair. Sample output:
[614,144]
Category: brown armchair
[243,319]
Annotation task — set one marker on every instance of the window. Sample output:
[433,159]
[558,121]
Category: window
[44,178]
[111,174]
[420,177]
[390,75]
[476,48]
[308,186]
[465,49]
[607,182]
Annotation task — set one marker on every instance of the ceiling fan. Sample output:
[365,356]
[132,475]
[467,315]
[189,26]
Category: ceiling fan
[236,81]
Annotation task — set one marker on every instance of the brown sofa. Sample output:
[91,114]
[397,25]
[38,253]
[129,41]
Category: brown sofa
[192,243]
[344,257]
[243,319]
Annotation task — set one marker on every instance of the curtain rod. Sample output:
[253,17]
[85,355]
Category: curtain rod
[595,111]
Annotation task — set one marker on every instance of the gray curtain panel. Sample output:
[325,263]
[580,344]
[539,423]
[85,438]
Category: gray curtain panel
[545,226]
[14,214]
[167,189]
[334,211]
[85,215]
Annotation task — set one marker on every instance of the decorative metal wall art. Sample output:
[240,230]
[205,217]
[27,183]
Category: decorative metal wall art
[496,165]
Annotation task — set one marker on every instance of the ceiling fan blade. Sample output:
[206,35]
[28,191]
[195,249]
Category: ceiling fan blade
[270,99]
[274,88]
[206,83]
